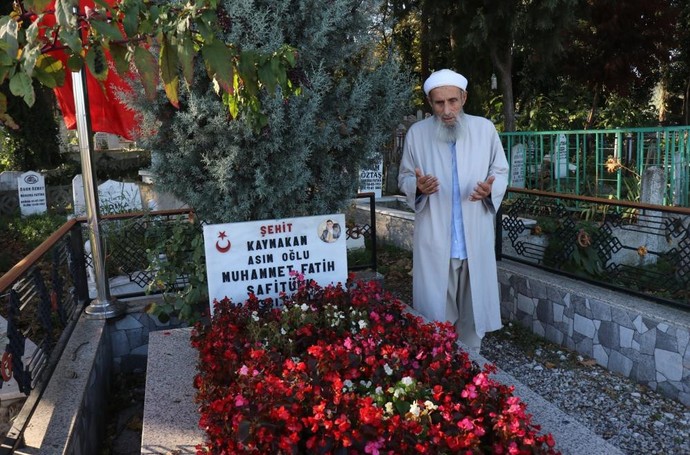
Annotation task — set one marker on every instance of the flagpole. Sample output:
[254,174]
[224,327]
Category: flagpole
[103,307]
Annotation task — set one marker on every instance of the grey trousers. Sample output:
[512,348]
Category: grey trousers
[459,304]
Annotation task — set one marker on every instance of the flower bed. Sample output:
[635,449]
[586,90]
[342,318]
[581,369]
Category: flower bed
[346,372]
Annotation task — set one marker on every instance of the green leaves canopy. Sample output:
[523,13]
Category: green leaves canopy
[156,40]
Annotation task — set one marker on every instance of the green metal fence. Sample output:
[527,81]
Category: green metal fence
[601,163]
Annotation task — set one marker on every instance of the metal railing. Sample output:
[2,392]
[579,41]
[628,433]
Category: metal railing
[600,163]
[637,248]
[43,295]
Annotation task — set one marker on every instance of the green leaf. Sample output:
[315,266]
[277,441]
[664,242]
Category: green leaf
[8,34]
[130,22]
[268,74]
[97,63]
[186,53]
[29,58]
[71,39]
[119,54]
[145,63]
[20,85]
[231,102]
[32,33]
[64,17]
[167,63]
[247,69]
[74,62]
[218,60]
[108,30]
[50,71]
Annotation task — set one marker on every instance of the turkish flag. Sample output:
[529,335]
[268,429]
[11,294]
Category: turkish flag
[108,114]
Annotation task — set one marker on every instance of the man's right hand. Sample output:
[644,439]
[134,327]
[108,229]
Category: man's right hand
[426,184]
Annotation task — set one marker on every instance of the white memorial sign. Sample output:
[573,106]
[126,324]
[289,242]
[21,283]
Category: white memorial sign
[32,193]
[560,158]
[262,257]
[113,197]
[371,180]
[517,166]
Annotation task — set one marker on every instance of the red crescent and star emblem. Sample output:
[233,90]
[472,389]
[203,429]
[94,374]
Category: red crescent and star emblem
[222,236]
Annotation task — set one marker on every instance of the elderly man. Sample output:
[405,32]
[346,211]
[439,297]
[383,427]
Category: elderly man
[454,174]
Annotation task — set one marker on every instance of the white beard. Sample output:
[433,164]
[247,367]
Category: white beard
[448,133]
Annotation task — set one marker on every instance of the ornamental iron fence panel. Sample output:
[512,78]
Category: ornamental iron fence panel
[632,247]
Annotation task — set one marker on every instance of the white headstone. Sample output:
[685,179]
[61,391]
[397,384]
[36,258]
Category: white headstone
[32,193]
[371,179]
[8,180]
[517,166]
[118,197]
[560,158]
[113,197]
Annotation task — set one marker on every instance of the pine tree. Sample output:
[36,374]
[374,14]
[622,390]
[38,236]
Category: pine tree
[305,161]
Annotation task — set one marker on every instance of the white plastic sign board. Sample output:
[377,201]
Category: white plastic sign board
[32,193]
[371,180]
[262,257]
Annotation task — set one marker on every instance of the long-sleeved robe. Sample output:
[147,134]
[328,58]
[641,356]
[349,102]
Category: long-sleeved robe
[479,155]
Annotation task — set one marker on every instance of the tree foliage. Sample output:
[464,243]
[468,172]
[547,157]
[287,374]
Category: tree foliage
[574,58]
[305,159]
[157,40]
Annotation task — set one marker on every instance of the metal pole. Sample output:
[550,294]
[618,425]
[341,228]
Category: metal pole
[102,307]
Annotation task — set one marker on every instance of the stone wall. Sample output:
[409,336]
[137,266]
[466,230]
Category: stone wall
[637,338]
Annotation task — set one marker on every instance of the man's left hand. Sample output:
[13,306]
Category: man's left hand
[483,189]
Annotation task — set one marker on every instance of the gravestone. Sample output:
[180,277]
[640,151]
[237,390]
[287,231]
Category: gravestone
[371,179]
[32,193]
[113,197]
[8,180]
[560,157]
[517,166]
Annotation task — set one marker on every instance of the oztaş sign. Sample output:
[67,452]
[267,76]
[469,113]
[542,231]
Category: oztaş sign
[264,257]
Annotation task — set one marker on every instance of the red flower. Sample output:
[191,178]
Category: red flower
[348,371]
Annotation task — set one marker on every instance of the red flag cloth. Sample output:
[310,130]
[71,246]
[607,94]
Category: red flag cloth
[108,114]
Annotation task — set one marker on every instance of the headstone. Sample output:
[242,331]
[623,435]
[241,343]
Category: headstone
[113,197]
[560,158]
[8,180]
[679,180]
[262,257]
[118,197]
[517,166]
[32,193]
[371,179]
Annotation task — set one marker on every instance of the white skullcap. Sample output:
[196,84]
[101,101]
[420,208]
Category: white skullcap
[444,77]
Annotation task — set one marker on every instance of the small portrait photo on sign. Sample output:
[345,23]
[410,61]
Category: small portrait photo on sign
[329,231]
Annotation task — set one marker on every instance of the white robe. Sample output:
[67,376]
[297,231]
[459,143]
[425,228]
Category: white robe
[479,155]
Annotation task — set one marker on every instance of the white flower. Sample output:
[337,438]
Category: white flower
[389,407]
[398,392]
[283,331]
[415,410]
[347,383]
[379,390]
[388,369]
[365,384]
[407,381]
[304,307]
[430,406]
[255,316]
[362,324]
